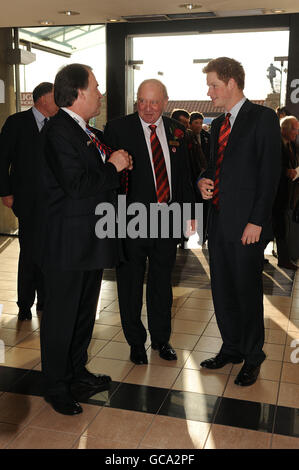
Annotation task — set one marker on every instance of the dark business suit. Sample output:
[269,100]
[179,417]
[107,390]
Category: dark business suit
[128,133]
[249,177]
[20,150]
[74,180]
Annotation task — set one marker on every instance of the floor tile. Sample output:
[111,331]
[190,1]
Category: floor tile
[284,442]
[22,358]
[290,373]
[118,370]
[12,337]
[287,421]
[8,432]
[183,341]
[274,352]
[245,414]
[206,304]
[102,443]
[32,341]
[201,382]
[289,395]
[19,409]
[138,398]
[189,327]
[227,437]
[209,344]
[275,336]
[47,418]
[152,375]
[95,346]
[190,406]
[194,314]
[119,425]
[181,434]
[12,322]
[270,370]
[115,350]
[36,438]
[262,391]
[212,330]
[104,331]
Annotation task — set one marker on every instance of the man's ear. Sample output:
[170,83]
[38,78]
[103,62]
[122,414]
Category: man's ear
[231,84]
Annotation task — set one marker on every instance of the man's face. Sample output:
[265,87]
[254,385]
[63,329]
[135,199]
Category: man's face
[219,91]
[196,126]
[151,102]
[90,99]
[185,121]
[49,106]
[292,133]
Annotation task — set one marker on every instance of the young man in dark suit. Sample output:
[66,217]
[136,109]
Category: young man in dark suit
[241,183]
[148,137]
[20,150]
[77,173]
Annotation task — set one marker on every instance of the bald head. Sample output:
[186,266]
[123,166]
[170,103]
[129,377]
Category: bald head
[152,100]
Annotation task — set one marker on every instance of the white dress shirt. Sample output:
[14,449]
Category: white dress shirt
[235,110]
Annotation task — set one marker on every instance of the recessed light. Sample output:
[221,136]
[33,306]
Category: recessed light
[113,20]
[69,13]
[277,10]
[46,22]
[190,6]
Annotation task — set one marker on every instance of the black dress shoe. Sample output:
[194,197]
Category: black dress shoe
[220,361]
[166,351]
[247,375]
[24,314]
[99,382]
[138,355]
[64,404]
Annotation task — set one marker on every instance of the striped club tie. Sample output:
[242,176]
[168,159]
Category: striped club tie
[222,142]
[162,184]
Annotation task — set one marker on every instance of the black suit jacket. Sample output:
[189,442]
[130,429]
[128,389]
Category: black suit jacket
[250,170]
[127,133]
[74,180]
[20,150]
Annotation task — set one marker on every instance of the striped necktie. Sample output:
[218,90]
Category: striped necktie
[222,142]
[162,183]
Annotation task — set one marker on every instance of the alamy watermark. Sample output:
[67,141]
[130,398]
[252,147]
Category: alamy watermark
[137,220]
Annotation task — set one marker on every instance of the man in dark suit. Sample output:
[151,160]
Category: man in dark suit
[146,134]
[241,182]
[286,195]
[20,150]
[196,122]
[77,173]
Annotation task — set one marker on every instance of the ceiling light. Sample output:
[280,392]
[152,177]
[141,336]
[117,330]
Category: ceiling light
[113,20]
[69,13]
[277,10]
[190,6]
[46,22]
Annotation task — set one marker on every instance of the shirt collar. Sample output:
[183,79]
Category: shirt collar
[146,125]
[235,109]
[76,117]
[38,115]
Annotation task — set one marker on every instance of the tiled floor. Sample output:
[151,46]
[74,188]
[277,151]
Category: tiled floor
[165,405]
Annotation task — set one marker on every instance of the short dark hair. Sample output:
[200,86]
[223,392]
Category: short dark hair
[176,113]
[226,69]
[195,115]
[68,81]
[40,90]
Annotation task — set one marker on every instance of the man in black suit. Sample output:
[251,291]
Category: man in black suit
[77,173]
[241,182]
[286,194]
[141,134]
[196,122]
[20,150]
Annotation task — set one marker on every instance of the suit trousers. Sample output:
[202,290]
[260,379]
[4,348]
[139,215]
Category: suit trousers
[67,324]
[30,276]
[161,254]
[237,290]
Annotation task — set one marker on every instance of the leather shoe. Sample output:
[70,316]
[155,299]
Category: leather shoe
[98,382]
[64,404]
[220,361]
[166,351]
[24,314]
[138,355]
[247,375]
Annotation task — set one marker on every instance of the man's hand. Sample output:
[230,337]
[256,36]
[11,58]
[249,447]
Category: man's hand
[121,160]
[8,201]
[206,187]
[191,228]
[251,234]
[291,173]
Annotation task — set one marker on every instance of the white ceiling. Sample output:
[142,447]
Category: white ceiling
[31,12]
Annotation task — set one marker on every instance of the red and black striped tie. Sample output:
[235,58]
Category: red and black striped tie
[162,183]
[222,142]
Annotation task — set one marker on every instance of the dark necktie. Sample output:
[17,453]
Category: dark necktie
[222,142]
[162,184]
[106,151]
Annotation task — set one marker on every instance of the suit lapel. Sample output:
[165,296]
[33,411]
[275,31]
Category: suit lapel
[238,126]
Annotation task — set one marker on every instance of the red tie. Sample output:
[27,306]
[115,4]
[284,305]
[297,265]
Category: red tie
[104,149]
[222,142]
[162,184]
